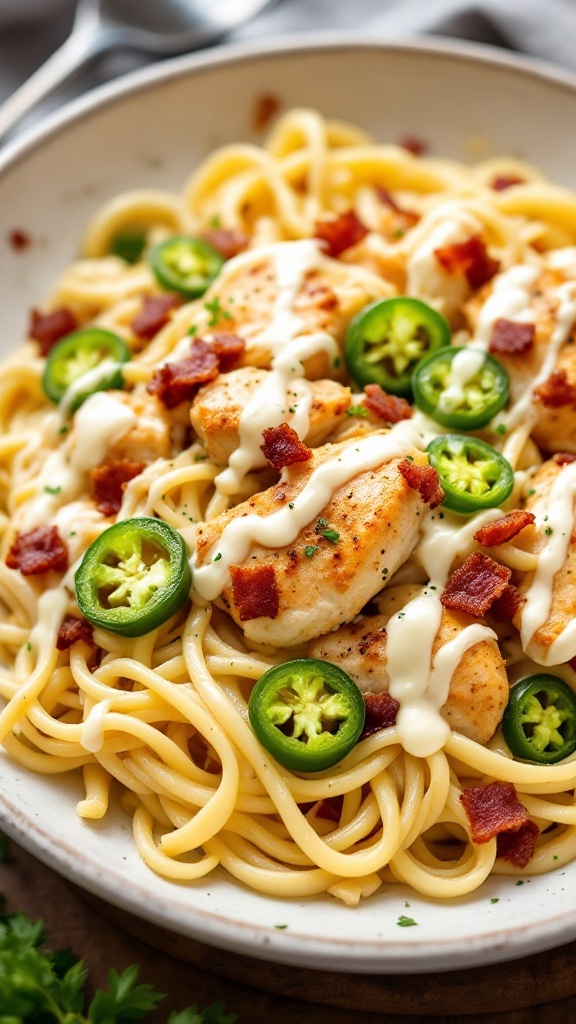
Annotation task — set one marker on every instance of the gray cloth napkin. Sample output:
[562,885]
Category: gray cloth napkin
[541,28]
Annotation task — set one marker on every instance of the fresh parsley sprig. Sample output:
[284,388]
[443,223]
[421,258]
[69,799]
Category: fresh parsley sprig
[40,987]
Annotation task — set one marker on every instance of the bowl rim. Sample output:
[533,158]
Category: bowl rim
[444,953]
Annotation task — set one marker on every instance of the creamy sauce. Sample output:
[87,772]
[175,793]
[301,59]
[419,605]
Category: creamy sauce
[88,381]
[463,369]
[92,731]
[100,420]
[557,526]
[509,300]
[52,606]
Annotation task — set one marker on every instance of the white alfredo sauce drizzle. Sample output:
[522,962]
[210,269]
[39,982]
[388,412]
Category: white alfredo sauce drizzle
[509,300]
[270,404]
[52,606]
[559,523]
[92,731]
[282,527]
[100,420]
[88,381]
[420,689]
[463,368]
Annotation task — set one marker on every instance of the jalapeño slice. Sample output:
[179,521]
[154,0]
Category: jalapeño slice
[539,722]
[307,713]
[133,577]
[386,340]
[472,474]
[460,387]
[185,264]
[82,363]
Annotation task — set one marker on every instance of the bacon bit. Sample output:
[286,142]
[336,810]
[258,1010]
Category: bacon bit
[48,328]
[178,382]
[37,551]
[475,585]
[408,217]
[518,846]
[386,407]
[330,808]
[266,107]
[413,145]
[255,591]
[19,240]
[511,338]
[340,234]
[503,181]
[423,479]
[564,458]
[556,391]
[282,446]
[71,631]
[227,241]
[469,258]
[502,530]
[504,608]
[155,313]
[229,348]
[381,711]
[493,809]
[108,483]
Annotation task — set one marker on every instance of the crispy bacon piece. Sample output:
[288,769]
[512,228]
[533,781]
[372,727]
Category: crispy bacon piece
[330,808]
[518,846]
[386,407]
[178,382]
[282,446]
[340,234]
[556,391]
[504,608]
[413,145]
[504,529]
[71,631]
[504,181]
[511,338]
[108,483]
[229,348]
[381,711]
[227,241]
[19,240]
[564,458]
[155,313]
[266,107]
[255,591]
[493,809]
[475,585]
[423,479]
[37,551]
[48,328]
[469,258]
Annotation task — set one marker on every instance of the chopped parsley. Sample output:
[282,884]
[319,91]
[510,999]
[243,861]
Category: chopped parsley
[216,312]
[192,330]
[406,922]
[501,428]
[310,550]
[357,410]
[52,490]
[494,899]
[218,556]
[326,531]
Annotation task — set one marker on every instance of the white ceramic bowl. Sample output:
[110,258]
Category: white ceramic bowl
[151,129]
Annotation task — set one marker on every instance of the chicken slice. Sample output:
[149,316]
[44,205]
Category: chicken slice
[335,562]
[478,688]
[216,409]
[150,437]
[554,429]
[550,487]
[290,290]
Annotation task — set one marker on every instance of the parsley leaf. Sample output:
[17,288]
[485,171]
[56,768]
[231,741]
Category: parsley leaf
[326,531]
[216,312]
[310,550]
[406,922]
[124,1000]
[357,410]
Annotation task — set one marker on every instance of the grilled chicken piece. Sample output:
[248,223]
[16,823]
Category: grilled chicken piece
[555,426]
[321,580]
[216,409]
[321,297]
[150,438]
[563,606]
[479,686]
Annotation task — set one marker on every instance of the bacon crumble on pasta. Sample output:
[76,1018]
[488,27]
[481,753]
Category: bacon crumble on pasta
[311,518]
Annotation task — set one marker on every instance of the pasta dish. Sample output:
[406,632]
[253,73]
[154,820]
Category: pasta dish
[288,471]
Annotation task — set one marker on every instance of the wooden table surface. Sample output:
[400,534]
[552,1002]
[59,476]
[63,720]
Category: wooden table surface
[70,920]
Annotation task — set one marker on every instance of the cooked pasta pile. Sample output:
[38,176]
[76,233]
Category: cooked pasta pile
[315,227]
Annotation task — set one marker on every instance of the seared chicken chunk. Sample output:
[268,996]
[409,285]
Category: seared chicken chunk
[150,437]
[479,686]
[216,409]
[555,419]
[335,563]
[542,501]
[317,295]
